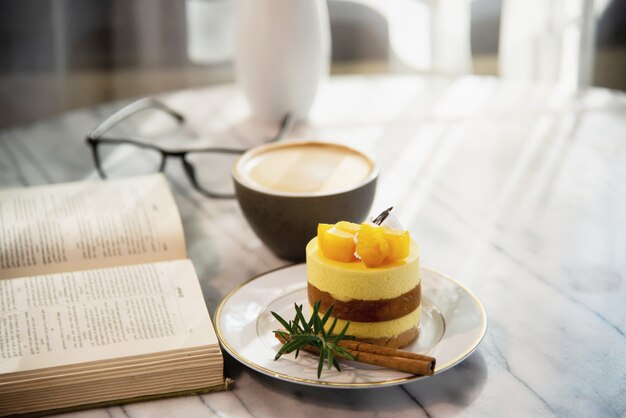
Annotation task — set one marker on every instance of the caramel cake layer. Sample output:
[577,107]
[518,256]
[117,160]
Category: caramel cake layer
[367,310]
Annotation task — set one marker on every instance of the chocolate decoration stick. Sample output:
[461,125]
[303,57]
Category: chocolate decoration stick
[381,218]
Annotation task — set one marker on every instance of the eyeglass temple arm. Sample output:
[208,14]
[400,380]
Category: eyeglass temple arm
[130,110]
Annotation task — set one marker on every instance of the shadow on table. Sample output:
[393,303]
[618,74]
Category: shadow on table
[457,387]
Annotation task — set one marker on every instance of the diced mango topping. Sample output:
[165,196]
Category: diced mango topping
[321,228]
[338,245]
[348,227]
[399,244]
[371,245]
[374,245]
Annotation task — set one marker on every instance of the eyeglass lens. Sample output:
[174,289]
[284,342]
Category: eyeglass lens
[213,171]
[123,160]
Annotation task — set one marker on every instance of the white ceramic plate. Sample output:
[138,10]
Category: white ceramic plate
[452,324]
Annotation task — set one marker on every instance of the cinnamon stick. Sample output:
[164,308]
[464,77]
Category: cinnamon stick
[384,357]
[382,350]
[419,367]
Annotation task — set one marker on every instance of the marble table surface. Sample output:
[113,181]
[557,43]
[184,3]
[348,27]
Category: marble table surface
[516,190]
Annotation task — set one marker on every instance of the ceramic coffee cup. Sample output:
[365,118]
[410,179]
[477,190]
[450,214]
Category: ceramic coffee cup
[285,189]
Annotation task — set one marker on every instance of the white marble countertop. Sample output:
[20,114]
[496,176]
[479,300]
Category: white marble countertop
[518,191]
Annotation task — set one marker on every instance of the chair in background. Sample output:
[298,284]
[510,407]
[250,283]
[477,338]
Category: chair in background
[430,36]
[548,40]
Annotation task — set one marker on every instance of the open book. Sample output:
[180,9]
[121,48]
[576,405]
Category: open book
[98,303]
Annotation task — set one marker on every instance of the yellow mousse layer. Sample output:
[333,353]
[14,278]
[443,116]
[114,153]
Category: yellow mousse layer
[354,280]
[382,329]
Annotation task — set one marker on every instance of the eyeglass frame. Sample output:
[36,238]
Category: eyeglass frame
[95,137]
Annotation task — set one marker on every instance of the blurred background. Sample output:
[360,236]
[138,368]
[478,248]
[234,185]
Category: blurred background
[57,55]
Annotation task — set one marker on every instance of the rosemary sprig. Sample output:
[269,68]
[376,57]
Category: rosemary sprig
[299,333]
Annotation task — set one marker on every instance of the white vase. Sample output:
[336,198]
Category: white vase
[282,54]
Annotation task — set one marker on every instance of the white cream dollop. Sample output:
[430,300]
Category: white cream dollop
[391,222]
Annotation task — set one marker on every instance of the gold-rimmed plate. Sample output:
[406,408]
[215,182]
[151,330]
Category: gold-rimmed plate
[452,324]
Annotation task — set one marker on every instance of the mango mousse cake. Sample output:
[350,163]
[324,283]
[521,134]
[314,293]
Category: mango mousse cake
[370,275]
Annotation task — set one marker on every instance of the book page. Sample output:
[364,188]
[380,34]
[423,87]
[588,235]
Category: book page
[85,225]
[94,315]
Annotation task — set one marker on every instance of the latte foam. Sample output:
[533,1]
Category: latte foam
[306,168]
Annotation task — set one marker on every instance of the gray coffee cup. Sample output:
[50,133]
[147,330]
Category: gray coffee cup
[285,189]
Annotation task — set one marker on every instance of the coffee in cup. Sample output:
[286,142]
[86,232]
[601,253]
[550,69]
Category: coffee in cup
[285,189]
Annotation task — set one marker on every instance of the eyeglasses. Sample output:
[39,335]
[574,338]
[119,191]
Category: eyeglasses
[208,169]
